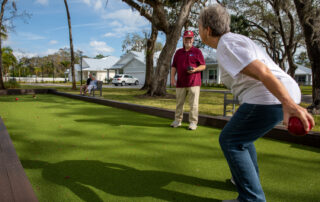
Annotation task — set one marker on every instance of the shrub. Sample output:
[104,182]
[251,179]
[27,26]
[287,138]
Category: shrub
[215,85]
[12,83]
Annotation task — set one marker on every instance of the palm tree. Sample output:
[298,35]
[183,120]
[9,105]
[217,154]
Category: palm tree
[37,70]
[8,59]
[74,87]
[3,32]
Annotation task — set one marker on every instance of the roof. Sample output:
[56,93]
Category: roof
[139,56]
[100,64]
[209,55]
[134,55]
[76,68]
[302,70]
[125,59]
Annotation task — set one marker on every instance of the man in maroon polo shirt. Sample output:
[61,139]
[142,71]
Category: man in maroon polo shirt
[188,62]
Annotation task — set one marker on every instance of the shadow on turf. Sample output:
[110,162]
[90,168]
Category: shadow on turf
[132,122]
[303,147]
[119,180]
[114,117]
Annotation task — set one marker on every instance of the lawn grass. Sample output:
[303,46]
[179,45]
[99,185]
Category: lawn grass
[210,103]
[306,90]
[78,151]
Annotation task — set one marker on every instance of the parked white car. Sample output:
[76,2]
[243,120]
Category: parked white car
[123,79]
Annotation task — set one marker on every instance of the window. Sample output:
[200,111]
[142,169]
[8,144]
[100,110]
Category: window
[213,74]
[300,78]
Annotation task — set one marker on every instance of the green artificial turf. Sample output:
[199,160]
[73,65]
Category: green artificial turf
[78,151]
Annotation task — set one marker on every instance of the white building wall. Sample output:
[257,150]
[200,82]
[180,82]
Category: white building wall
[77,76]
[101,76]
[136,69]
[35,79]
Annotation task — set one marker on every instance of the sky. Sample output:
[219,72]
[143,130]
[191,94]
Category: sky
[97,28]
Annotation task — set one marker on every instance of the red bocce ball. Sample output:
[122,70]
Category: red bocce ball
[295,127]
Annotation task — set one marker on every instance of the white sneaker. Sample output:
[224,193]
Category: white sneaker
[192,126]
[232,181]
[175,124]
[234,200]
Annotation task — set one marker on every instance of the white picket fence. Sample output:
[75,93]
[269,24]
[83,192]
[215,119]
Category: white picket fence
[35,79]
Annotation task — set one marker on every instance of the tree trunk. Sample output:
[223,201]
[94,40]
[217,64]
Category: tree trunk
[291,45]
[310,25]
[149,58]
[1,67]
[281,63]
[173,33]
[159,83]
[74,87]
[288,42]
[292,66]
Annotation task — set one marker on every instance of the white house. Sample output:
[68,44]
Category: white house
[303,75]
[100,68]
[133,63]
[77,70]
[211,74]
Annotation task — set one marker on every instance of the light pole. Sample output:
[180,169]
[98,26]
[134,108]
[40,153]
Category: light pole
[81,68]
[52,70]
[170,77]
[42,72]
[274,35]
[13,73]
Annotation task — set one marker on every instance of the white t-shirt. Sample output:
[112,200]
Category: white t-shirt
[235,52]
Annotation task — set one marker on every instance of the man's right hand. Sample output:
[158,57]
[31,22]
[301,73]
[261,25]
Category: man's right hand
[173,82]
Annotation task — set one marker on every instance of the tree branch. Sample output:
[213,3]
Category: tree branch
[292,27]
[139,8]
[253,24]
[160,18]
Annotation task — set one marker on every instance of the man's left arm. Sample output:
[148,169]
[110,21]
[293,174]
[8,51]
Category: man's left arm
[200,68]
[197,69]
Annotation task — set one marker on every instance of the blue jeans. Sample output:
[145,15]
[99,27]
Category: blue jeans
[250,122]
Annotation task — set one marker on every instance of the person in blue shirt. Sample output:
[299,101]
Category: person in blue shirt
[92,85]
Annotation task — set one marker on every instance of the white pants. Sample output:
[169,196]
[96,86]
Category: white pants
[90,87]
[181,94]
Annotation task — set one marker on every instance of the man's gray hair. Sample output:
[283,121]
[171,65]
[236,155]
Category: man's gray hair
[217,18]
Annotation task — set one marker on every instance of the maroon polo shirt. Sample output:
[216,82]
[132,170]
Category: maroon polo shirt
[182,59]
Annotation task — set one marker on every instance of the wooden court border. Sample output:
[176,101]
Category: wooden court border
[14,183]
